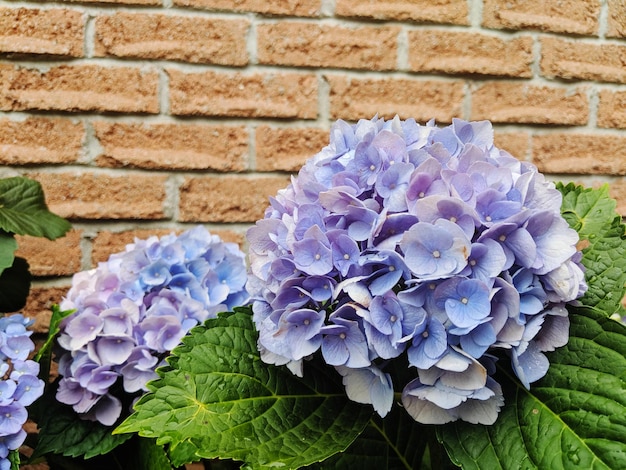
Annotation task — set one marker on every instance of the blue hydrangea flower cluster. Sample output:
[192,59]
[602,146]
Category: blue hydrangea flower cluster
[429,243]
[135,308]
[19,384]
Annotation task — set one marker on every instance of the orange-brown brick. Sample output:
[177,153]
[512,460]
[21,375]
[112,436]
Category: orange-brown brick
[102,196]
[435,11]
[34,31]
[516,143]
[312,45]
[517,102]
[580,153]
[617,190]
[189,39]
[559,16]
[106,242]
[286,149]
[568,59]
[79,88]
[353,99]
[39,305]
[284,95]
[120,2]
[616,19]
[267,7]
[227,198]
[61,257]
[40,140]
[172,146]
[612,109]
[460,52]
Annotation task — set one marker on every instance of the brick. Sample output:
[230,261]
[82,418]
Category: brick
[354,99]
[102,196]
[227,198]
[266,7]
[617,190]
[189,39]
[616,19]
[516,143]
[559,16]
[580,153]
[34,31]
[120,2]
[311,45]
[39,305]
[286,149]
[60,257]
[517,102]
[40,140]
[469,53]
[285,95]
[172,146]
[561,58]
[431,11]
[612,109]
[79,88]
[106,242]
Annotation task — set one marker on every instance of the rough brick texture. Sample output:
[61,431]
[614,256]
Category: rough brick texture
[78,88]
[196,40]
[40,140]
[520,102]
[310,45]
[612,109]
[39,305]
[562,58]
[560,16]
[102,196]
[580,153]
[243,95]
[617,19]
[453,52]
[267,7]
[61,257]
[353,99]
[436,11]
[34,31]
[172,146]
[287,149]
[227,199]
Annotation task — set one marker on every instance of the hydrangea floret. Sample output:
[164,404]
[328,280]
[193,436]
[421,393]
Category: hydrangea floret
[133,309]
[19,383]
[426,242]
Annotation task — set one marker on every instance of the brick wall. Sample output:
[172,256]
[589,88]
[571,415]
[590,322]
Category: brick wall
[144,116]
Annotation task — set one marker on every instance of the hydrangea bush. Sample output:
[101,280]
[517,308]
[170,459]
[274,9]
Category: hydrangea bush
[134,308]
[19,383]
[431,242]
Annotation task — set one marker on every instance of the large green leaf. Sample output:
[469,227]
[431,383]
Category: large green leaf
[218,399]
[575,417]
[23,210]
[591,212]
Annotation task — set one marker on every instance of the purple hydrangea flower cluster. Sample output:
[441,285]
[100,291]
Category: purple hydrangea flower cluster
[414,240]
[19,384]
[135,308]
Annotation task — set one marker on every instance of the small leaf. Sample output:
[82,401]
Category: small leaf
[217,399]
[63,432]
[23,210]
[8,245]
[44,355]
[14,286]
[592,213]
[575,417]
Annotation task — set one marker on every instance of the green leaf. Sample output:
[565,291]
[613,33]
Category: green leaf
[148,455]
[217,399]
[63,432]
[14,286]
[591,212]
[23,210]
[44,355]
[575,417]
[8,245]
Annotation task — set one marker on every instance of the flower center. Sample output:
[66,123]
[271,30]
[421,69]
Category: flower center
[393,318]
[342,335]
[464,300]
[372,167]
[425,334]
[453,219]
[318,256]
[436,254]
[421,194]
[488,218]
[307,322]
[346,256]
[502,238]
[472,262]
